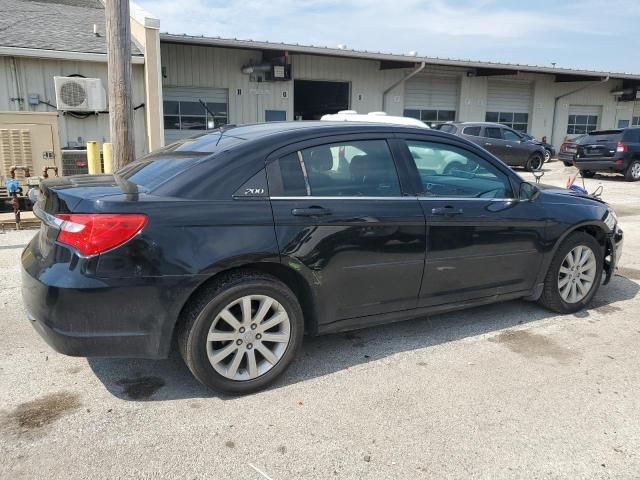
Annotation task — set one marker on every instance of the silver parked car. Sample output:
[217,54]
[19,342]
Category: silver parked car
[505,143]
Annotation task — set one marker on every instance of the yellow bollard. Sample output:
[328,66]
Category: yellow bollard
[106,157]
[93,158]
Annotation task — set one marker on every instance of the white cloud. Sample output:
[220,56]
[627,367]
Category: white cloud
[528,32]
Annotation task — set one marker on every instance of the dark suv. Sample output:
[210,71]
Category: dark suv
[237,241]
[615,151]
[505,143]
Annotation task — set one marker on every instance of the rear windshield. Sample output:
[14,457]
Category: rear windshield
[447,128]
[605,136]
[150,174]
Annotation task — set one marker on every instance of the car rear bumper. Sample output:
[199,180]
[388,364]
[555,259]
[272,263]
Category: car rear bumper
[88,317]
[566,157]
[600,164]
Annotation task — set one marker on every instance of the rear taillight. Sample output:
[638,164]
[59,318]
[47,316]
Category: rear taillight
[621,148]
[562,147]
[93,233]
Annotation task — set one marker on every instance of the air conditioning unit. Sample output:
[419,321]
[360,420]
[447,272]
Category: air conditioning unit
[78,94]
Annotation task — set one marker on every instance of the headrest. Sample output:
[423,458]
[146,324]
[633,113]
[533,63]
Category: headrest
[358,166]
[321,159]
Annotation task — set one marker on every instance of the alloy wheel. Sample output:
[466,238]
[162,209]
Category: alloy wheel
[635,170]
[577,274]
[248,337]
[547,155]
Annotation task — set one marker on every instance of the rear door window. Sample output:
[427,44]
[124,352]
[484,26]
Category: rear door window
[473,131]
[493,132]
[632,135]
[351,168]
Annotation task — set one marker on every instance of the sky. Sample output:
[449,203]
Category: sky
[587,34]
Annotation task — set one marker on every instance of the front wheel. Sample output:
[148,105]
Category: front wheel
[587,173]
[574,275]
[633,171]
[241,333]
[534,163]
[547,155]
[567,164]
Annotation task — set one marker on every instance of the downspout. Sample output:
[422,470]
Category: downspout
[402,80]
[555,105]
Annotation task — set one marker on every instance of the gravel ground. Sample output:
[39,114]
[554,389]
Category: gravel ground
[504,391]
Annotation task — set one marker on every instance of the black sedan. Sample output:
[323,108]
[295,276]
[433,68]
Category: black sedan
[239,241]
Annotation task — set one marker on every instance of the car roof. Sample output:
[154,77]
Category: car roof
[231,136]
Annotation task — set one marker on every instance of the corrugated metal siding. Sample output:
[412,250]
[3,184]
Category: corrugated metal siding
[20,77]
[509,96]
[585,110]
[432,92]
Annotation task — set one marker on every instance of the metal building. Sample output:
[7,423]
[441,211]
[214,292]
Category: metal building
[247,81]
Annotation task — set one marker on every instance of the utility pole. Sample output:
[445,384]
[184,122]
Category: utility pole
[119,65]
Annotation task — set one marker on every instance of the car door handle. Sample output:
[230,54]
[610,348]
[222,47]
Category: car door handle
[488,144]
[449,211]
[509,146]
[310,212]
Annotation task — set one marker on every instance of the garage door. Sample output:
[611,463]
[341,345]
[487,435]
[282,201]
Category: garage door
[432,99]
[583,119]
[184,115]
[509,102]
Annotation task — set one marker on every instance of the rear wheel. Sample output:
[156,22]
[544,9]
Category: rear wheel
[633,171]
[587,173]
[534,163]
[574,275]
[241,333]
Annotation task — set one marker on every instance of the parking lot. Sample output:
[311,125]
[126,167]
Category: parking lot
[504,391]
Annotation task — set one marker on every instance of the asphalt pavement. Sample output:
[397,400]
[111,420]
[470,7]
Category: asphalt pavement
[504,391]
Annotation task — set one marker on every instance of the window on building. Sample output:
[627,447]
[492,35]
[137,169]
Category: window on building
[517,121]
[192,115]
[581,124]
[431,117]
[275,115]
[635,122]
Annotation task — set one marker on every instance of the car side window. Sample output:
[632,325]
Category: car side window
[510,136]
[492,132]
[473,131]
[286,178]
[449,171]
[352,168]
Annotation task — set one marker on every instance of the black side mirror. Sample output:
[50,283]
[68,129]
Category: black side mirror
[527,191]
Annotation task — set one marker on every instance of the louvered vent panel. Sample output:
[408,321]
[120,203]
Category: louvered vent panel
[15,149]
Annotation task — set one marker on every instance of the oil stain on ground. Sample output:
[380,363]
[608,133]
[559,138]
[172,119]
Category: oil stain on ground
[39,413]
[533,345]
[140,388]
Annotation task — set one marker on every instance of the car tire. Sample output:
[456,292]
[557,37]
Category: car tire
[535,162]
[554,294]
[632,174]
[547,155]
[587,173]
[568,164]
[207,317]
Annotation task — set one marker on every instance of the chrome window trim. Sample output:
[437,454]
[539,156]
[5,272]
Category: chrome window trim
[394,198]
[304,173]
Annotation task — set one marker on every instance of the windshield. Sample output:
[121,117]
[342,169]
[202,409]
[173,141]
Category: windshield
[607,136]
